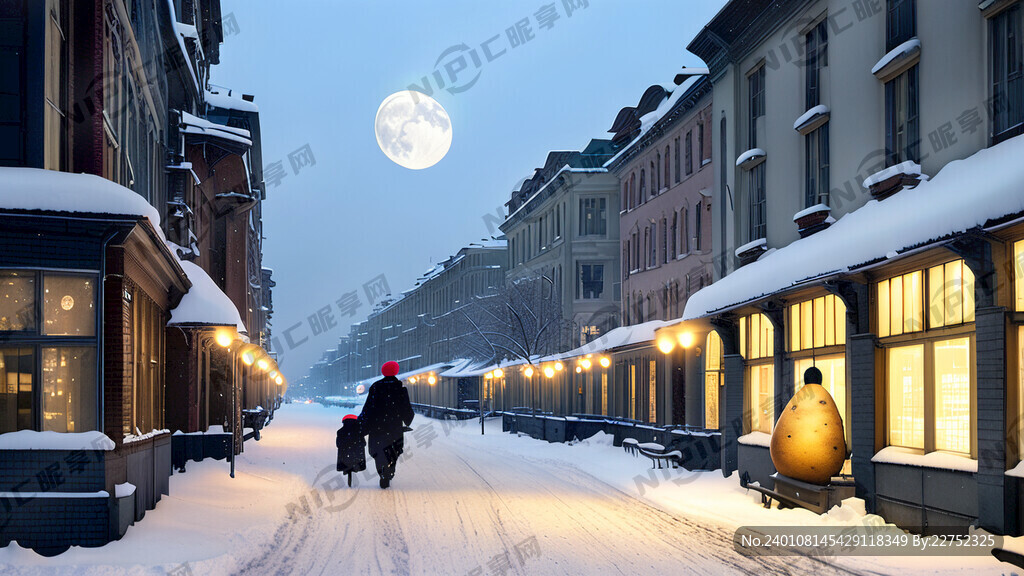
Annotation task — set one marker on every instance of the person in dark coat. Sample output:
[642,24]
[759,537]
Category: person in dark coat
[386,413]
[351,447]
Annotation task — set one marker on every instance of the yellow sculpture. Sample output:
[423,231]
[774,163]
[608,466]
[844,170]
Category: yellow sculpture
[808,443]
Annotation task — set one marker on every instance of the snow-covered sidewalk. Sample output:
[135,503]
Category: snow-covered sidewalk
[461,503]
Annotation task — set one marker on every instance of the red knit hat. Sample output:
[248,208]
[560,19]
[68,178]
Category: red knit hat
[389,368]
[350,417]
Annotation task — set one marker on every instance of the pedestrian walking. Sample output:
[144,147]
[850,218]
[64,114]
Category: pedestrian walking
[386,414]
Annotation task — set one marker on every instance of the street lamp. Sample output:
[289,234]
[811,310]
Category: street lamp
[605,362]
[685,339]
[586,363]
[666,345]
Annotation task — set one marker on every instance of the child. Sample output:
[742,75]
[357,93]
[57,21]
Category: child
[351,447]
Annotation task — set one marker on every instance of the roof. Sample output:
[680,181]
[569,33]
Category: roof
[966,194]
[191,124]
[219,97]
[205,304]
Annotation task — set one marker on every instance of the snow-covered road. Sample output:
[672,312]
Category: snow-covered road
[461,503]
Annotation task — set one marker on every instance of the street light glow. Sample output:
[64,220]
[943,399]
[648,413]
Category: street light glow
[262,364]
[224,338]
[549,372]
[499,373]
[586,363]
[248,358]
[559,366]
[528,371]
[665,345]
[605,362]
[686,339]
[579,369]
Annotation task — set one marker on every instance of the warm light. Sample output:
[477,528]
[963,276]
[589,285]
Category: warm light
[685,339]
[262,364]
[248,358]
[528,371]
[605,362]
[559,366]
[224,338]
[273,374]
[586,363]
[412,380]
[499,373]
[279,380]
[67,303]
[360,389]
[665,345]
[431,380]
[489,375]
[549,372]
[579,369]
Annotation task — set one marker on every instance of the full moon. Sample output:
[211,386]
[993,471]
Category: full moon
[413,129]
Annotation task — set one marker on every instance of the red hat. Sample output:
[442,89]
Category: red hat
[389,368]
[350,417]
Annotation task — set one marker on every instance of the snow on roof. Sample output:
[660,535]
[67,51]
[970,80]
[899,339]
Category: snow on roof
[819,110]
[621,336]
[489,243]
[909,167]
[222,98]
[191,124]
[32,440]
[49,190]
[905,48]
[181,45]
[933,210]
[205,303]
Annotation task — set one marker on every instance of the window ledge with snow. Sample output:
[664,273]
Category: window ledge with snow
[756,439]
[910,457]
[891,180]
[760,245]
[812,119]
[751,158]
[898,60]
[49,440]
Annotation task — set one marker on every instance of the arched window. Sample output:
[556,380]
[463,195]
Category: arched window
[643,187]
[625,196]
[675,233]
[632,190]
[664,241]
[714,378]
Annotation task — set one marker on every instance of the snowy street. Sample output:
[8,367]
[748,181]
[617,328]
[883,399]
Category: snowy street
[461,503]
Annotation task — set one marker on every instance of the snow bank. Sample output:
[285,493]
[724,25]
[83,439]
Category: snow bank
[756,439]
[49,190]
[905,48]
[933,210]
[32,440]
[908,457]
[205,303]
[138,436]
[819,110]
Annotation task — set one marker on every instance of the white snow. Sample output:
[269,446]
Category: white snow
[616,338]
[124,490]
[751,245]
[749,155]
[54,494]
[32,440]
[137,437]
[909,168]
[908,457]
[191,124]
[1017,471]
[819,110]
[49,190]
[181,46]
[187,30]
[205,303]
[649,120]
[912,217]
[222,98]
[808,211]
[905,48]
[756,439]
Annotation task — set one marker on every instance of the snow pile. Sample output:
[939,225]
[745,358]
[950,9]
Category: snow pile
[621,336]
[124,490]
[908,457]
[808,211]
[49,190]
[908,168]
[750,155]
[139,436]
[32,440]
[756,439]
[205,303]
[933,210]
[819,110]
[903,49]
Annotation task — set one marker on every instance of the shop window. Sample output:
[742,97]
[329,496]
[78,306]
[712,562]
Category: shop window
[833,371]
[1018,274]
[900,302]
[906,396]
[69,389]
[951,294]
[652,381]
[68,306]
[17,302]
[757,345]
[714,377]
[16,369]
[817,323]
[757,337]
[952,360]
[762,398]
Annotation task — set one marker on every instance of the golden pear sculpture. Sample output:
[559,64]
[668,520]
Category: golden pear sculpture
[808,443]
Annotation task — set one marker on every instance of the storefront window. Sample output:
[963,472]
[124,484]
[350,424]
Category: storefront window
[833,371]
[757,337]
[69,389]
[762,398]
[16,368]
[951,294]
[757,345]
[652,386]
[68,306]
[713,378]
[906,396]
[1018,274]
[17,302]
[900,302]
[953,395]
[817,323]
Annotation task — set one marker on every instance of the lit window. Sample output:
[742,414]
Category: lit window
[757,337]
[906,396]
[951,294]
[817,323]
[69,389]
[953,395]
[900,302]
[713,379]
[1018,274]
[762,398]
[757,345]
[16,368]
[17,301]
[68,306]
[833,371]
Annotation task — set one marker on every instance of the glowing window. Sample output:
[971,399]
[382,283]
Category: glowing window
[900,302]
[817,323]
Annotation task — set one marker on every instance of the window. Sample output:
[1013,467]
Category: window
[593,216]
[1006,55]
[950,294]
[700,142]
[17,301]
[689,153]
[817,169]
[900,302]
[656,175]
[948,381]
[816,43]
[698,225]
[723,179]
[758,203]
[664,241]
[604,393]
[652,257]
[652,391]
[678,166]
[817,323]
[900,22]
[675,234]
[632,392]
[757,337]
[757,345]
[833,372]
[69,389]
[590,283]
[685,217]
[632,191]
[762,397]
[643,187]
[667,168]
[714,378]
[57,82]
[147,407]
[1018,275]
[902,125]
[17,366]
[755,87]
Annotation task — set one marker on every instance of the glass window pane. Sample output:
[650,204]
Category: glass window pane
[762,398]
[896,307]
[794,328]
[906,396]
[806,326]
[819,322]
[953,395]
[912,302]
[755,336]
[883,308]
[937,297]
[967,291]
[69,389]
[17,301]
[744,348]
[830,320]
[833,371]
[69,305]
[840,322]
[16,368]
[954,295]
[1018,273]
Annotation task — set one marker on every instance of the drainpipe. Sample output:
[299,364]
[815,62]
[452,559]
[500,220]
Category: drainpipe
[101,311]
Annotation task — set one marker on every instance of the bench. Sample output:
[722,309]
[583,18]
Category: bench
[256,420]
[658,454]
